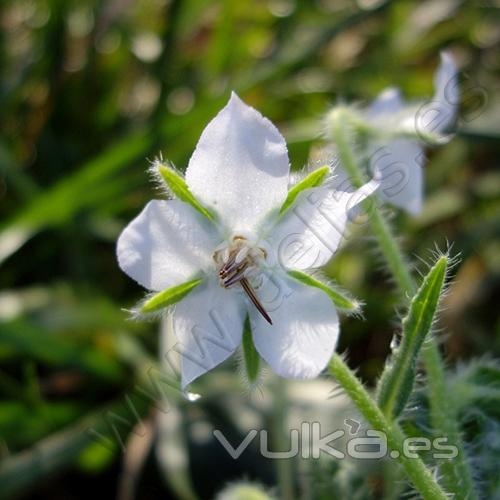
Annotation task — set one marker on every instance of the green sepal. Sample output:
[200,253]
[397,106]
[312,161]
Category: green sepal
[340,300]
[314,179]
[179,188]
[397,380]
[251,358]
[169,296]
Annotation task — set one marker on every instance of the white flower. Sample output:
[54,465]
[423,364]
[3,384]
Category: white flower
[398,131]
[242,253]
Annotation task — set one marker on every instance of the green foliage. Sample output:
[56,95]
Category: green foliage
[477,384]
[28,341]
[475,389]
[180,189]
[89,93]
[313,179]
[169,296]
[342,301]
[251,358]
[398,378]
[92,184]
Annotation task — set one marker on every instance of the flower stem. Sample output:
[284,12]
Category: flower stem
[415,468]
[381,228]
[456,476]
[456,473]
[340,129]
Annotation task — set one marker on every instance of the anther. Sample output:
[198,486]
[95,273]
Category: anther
[239,262]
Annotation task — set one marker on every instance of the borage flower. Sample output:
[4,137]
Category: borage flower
[234,245]
[394,133]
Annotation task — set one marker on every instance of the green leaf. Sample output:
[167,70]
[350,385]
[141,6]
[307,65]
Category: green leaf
[251,357]
[477,385]
[169,296]
[341,301]
[180,189]
[30,341]
[397,380]
[314,179]
[94,182]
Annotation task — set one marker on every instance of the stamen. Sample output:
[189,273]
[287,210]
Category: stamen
[251,295]
[225,254]
[241,254]
[239,262]
[227,268]
[240,274]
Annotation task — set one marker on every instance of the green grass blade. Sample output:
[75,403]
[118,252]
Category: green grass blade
[398,377]
[168,296]
[340,300]
[74,192]
[314,179]
[180,189]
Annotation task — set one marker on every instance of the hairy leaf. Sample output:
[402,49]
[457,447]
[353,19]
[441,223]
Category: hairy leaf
[397,380]
[169,296]
[180,189]
[314,179]
[251,357]
[341,301]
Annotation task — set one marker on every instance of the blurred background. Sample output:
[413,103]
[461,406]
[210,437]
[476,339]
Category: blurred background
[89,91]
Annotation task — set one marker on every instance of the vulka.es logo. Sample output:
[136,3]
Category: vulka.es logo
[310,443]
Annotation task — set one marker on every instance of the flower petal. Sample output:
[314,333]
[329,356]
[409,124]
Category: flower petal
[447,90]
[166,244]
[208,324]
[240,166]
[399,165]
[439,113]
[389,101]
[312,230]
[305,329]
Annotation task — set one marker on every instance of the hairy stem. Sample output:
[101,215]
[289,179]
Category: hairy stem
[381,228]
[415,468]
[456,473]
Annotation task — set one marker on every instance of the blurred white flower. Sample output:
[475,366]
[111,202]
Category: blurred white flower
[234,240]
[397,132]
[244,490]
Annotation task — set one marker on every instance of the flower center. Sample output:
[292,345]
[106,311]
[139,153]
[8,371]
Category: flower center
[238,263]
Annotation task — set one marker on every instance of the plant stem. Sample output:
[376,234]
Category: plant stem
[456,473]
[391,251]
[284,466]
[388,245]
[456,476]
[415,468]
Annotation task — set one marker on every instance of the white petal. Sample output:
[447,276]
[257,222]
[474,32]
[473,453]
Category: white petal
[166,244]
[305,329]
[400,172]
[240,166]
[387,102]
[438,114]
[311,231]
[447,90]
[208,324]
